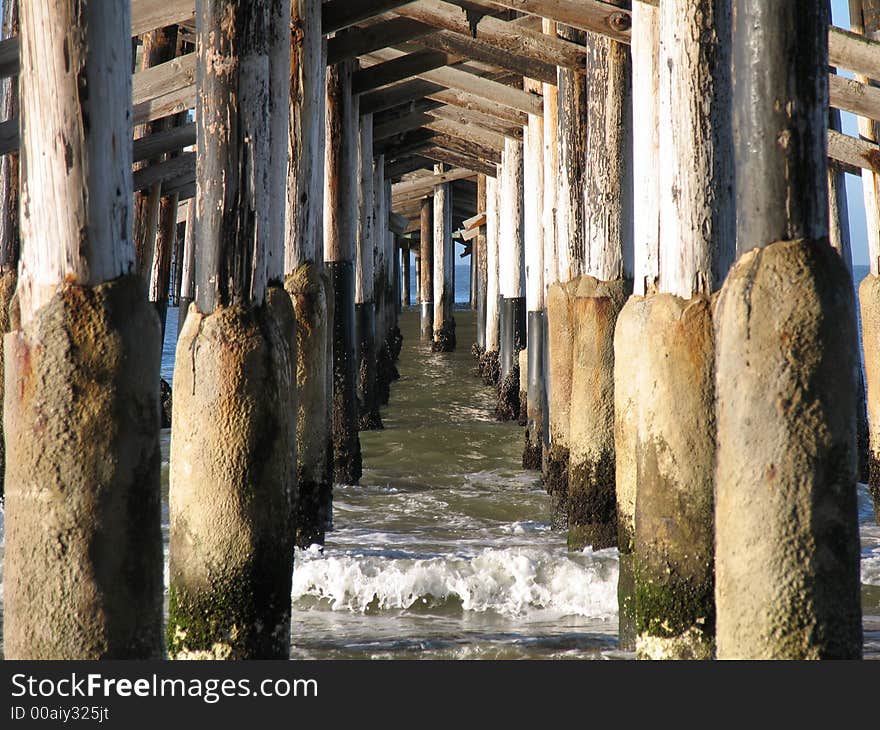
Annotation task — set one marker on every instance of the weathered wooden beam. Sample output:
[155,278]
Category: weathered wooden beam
[517,40]
[401,125]
[853,96]
[853,153]
[405,143]
[157,92]
[397,69]
[339,14]
[182,167]
[427,182]
[454,158]
[401,167]
[454,78]
[366,39]
[417,89]
[466,116]
[169,140]
[854,52]
[146,15]
[467,132]
[478,50]
[592,15]
[470,149]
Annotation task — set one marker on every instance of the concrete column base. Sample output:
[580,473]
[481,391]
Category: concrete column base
[629,334]
[8,282]
[787,539]
[675,460]
[560,337]
[232,483]
[592,504]
[869,299]
[307,288]
[83,558]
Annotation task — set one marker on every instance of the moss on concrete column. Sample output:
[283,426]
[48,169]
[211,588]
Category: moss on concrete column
[83,575]
[233,483]
[675,460]
[560,339]
[629,334]
[592,505]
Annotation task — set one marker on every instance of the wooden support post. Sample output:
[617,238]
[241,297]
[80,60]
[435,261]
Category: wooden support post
[674,539]
[417,264]
[306,280]
[569,175]
[600,295]
[479,264]
[10,239]
[787,540]
[405,281]
[444,261]
[159,47]
[572,145]
[187,266]
[232,468]
[512,320]
[533,233]
[630,328]
[364,302]
[340,234]
[865,19]
[426,243]
[83,573]
[489,365]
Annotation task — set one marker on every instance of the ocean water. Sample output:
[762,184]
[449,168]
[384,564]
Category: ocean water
[445,550]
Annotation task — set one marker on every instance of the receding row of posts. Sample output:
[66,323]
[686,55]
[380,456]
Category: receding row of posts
[663,293]
[287,337]
[697,368]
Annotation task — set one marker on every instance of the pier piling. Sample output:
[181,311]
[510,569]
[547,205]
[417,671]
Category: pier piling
[233,447]
[787,543]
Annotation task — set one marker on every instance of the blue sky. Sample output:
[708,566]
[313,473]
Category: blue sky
[857,224]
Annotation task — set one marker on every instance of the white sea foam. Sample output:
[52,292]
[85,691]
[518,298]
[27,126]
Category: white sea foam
[517,582]
[871,567]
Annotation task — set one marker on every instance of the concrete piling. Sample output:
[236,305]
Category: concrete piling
[631,329]
[83,545]
[532,406]
[10,239]
[787,543]
[340,232]
[233,446]
[600,295]
[306,280]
